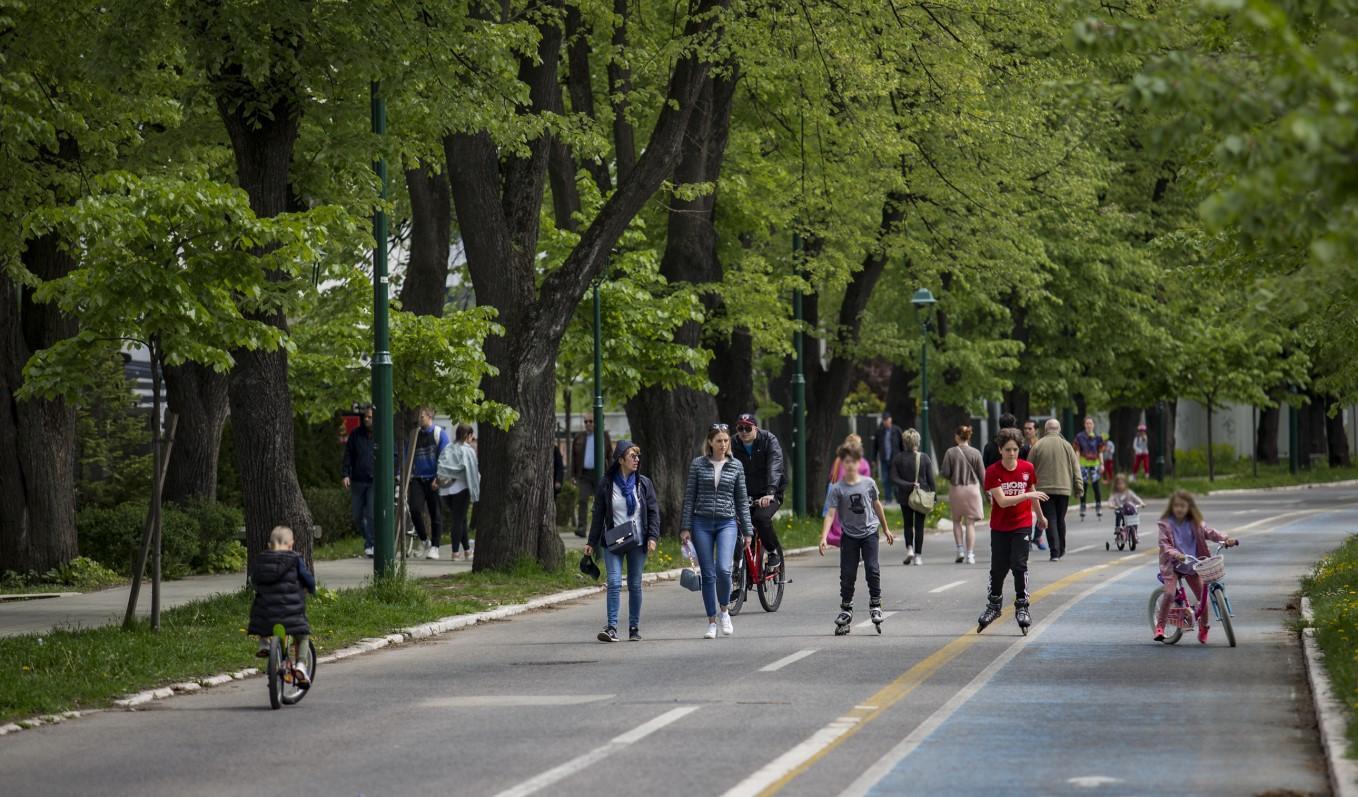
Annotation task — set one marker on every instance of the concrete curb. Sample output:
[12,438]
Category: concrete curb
[1330,714]
[1288,488]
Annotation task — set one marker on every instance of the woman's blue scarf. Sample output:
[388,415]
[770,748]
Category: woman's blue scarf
[628,486]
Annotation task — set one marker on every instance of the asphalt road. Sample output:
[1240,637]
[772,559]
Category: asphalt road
[1087,704]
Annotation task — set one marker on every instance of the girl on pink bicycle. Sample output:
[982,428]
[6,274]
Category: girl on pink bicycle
[1183,535]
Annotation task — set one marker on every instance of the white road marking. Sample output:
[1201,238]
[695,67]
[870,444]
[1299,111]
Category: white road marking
[511,701]
[910,743]
[946,587]
[868,622]
[582,763]
[786,660]
[866,708]
[1081,548]
[1093,781]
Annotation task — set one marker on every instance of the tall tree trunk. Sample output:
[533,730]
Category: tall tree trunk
[1122,422]
[900,397]
[37,437]
[1334,432]
[425,286]
[1017,399]
[1266,441]
[732,371]
[1211,456]
[669,446]
[261,406]
[1155,419]
[197,395]
[1312,430]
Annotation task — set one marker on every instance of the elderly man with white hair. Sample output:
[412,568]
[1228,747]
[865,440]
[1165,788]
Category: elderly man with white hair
[1059,474]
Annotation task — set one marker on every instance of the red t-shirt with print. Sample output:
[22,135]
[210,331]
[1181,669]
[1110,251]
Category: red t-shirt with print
[1022,479]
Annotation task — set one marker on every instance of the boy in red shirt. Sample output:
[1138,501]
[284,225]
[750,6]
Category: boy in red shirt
[1012,486]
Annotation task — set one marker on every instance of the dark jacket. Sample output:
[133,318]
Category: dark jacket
[603,509]
[764,471]
[359,450]
[578,453]
[903,474]
[279,578]
[879,442]
[991,453]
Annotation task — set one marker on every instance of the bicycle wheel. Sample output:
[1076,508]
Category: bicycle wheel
[1223,613]
[739,584]
[1131,539]
[292,693]
[275,673]
[771,587]
[1172,632]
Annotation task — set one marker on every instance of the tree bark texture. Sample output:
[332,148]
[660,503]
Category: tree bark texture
[425,286]
[497,203]
[1266,439]
[261,405]
[1017,400]
[1122,422]
[197,395]
[37,437]
[1337,439]
[1154,419]
[900,397]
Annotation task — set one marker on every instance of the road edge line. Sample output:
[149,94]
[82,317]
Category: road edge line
[1330,717]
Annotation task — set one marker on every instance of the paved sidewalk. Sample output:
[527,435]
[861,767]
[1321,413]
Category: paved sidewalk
[93,609]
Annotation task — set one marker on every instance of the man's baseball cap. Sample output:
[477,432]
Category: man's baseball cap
[747,419]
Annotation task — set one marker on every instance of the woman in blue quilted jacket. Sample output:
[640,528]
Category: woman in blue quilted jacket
[716,515]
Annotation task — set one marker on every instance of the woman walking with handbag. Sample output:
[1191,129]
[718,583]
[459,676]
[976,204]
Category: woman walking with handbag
[626,528]
[716,513]
[912,472]
[965,472]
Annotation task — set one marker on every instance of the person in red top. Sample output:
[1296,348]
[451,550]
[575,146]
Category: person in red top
[1012,486]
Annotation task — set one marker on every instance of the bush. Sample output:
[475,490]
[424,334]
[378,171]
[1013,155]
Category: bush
[565,504]
[1193,462]
[330,510]
[196,539]
[83,573]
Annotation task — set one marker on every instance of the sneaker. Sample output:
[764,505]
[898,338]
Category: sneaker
[299,675]
[919,560]
[772,561]
[424,549]
[633,634]
[1159,633]
[1202,634]
[432,553]
[368,552]
[971,557]
[609,634]
[726,628]
[909,554]
[263,651]
[961,557]
[711,631]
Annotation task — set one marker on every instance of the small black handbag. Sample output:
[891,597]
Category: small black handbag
[623,537]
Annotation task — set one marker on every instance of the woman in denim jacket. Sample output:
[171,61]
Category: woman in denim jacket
[716,512]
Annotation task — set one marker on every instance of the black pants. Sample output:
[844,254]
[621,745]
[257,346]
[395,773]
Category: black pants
[762,519]
[1008,553]
[851,549]
[1098,496]
[585,500]
[424,497]
[914,528]
[1054,509]
[456,506]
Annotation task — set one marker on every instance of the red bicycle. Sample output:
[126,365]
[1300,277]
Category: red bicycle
[768,582]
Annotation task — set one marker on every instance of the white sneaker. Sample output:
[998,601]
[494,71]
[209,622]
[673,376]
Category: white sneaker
[919,560]
[433,553]
[424,549]
[971,558]
[726,628]
[711,631]
[909,554]
[368,552]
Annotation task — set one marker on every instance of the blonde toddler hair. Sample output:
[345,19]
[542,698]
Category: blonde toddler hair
[280,539]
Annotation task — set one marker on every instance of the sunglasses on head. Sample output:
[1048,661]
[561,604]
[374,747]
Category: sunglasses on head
[720,427]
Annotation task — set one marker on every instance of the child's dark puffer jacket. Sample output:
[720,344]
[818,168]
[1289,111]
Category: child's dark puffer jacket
[280,596]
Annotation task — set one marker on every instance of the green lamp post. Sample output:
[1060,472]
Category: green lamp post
[923,300]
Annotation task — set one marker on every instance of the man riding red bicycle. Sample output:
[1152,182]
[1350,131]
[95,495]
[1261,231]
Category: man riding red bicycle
[765,478]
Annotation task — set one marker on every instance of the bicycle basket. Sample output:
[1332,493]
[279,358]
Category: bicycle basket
[1180,617]
[1212,568]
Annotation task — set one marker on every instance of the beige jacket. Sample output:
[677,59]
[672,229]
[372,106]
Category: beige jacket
[1058,472]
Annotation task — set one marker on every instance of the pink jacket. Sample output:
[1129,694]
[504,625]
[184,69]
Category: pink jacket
[1168,559]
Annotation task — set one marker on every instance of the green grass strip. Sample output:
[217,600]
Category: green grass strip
[1333,590]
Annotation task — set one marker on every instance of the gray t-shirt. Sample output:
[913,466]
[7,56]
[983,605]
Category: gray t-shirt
[853,507]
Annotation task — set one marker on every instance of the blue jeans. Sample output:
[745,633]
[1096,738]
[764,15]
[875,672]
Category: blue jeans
[715,535]
[361,504]
[884,481]
[636,564]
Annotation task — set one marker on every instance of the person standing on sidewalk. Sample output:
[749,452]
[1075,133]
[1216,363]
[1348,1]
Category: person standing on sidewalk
[1012,485]
[1059,474]
[1088,444]
[430,441]
[886,444]
[1141,451]
[716,513]
[963,469]
[624,496]
[910,469]
[762,457]
[357,469]
[459,479]
[582,468]
[855,504]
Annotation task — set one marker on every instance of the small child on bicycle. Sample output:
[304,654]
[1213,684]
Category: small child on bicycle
[279,576]
[1124,501]
[855,503]
[1183,534]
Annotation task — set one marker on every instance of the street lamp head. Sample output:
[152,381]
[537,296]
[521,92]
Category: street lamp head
[922,299]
